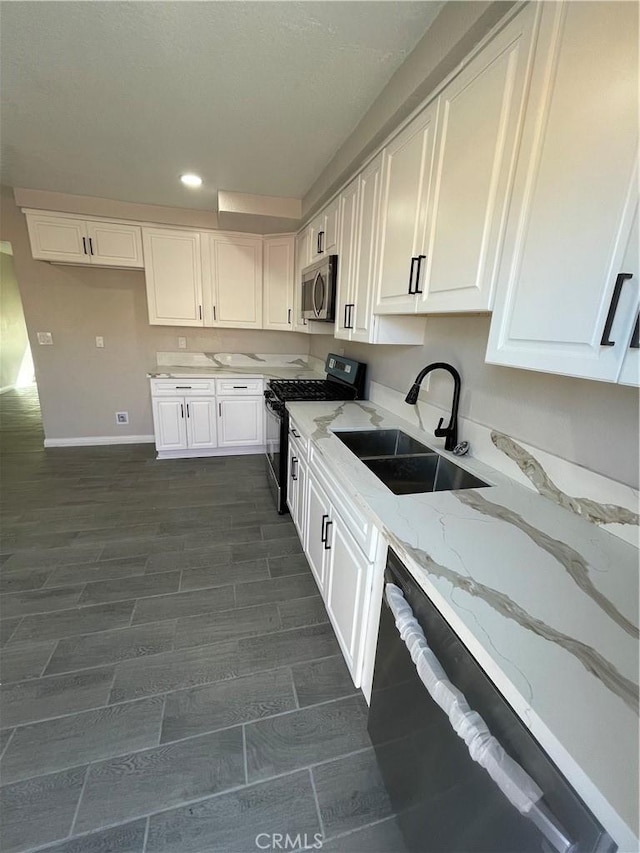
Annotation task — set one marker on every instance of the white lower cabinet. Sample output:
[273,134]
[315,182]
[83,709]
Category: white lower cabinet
[191,419]
[346,593]
[316,517]
[240,421]
[169,423]
[297,487]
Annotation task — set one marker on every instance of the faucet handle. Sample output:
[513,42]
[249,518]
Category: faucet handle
[439,430]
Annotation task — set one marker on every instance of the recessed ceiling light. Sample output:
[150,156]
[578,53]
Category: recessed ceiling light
[191,180]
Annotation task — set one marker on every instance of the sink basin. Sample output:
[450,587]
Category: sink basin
[408,475]
[381,442]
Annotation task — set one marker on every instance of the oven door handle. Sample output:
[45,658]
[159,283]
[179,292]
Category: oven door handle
[514,782]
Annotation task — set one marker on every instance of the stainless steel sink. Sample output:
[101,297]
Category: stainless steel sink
[381,442]
[408,475]
[405,465]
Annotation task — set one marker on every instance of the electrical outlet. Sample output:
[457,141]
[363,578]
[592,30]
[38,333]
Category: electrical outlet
[122,417]
[182,343]
[99,341]
[45,339]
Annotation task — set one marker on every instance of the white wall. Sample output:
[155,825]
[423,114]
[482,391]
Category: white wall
[13,331]
[594,424]
[81,387]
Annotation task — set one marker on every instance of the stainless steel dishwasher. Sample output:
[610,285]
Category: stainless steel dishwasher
[446,802]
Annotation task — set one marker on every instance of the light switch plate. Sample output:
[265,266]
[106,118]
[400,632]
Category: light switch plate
[182,343]
[45,339]
[99,341]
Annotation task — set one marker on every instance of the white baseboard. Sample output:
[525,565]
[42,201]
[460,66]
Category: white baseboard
[216,451]
[6,388]
[95,440]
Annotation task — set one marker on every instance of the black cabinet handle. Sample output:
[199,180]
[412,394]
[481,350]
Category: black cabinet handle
[325,518]
[183,387]
[320,242]
[327,547]
[413,263]
[635,337]
[84,245]
[200,312]
[182,410]
[295,433]
[605,341]
[241,387]
[294,464]
[289,316]
[188,415]
[214,312]
[220,409]
[90,246]
[421,258]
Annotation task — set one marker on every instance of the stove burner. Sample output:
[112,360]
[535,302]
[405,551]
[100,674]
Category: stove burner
[309,389]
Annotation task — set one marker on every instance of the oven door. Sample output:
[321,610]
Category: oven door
[276,432]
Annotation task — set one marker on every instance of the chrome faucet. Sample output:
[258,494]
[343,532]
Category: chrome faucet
[450,431]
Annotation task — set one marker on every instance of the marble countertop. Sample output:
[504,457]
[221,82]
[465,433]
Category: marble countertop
[546,601]
[216,371]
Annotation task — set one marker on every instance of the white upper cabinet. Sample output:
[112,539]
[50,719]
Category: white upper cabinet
[479,121]
[70,240]
[279,282]
[323,232]
[301,260]
[574,199]
[115,245]
[348,239]
[233,280]
[173,272]
[406,179]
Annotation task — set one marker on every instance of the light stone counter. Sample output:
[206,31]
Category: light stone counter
[546,601]
[191,365]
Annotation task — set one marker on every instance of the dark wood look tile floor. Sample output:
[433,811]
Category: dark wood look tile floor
[171,683]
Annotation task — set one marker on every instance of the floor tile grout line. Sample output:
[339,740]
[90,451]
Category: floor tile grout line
[316,801]
[6,746]
[49,659]
[77,808]
[244,754]
[146,834]
[187,737]
[353,831]
[293,687]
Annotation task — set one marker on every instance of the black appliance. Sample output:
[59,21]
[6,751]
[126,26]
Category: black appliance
[319,289]
[445,801]
[344,381]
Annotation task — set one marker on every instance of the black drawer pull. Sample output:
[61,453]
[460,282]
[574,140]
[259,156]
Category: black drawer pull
[413,263]
[327,547]
[323,534]
[615,298]
[240,387]
[421,258]
[183,387]
[294,464]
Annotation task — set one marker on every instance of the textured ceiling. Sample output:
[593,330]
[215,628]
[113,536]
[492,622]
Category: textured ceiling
[117,99]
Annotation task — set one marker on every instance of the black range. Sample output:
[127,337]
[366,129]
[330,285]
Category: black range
[344,381]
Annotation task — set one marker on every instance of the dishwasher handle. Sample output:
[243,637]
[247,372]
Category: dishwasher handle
[514,782]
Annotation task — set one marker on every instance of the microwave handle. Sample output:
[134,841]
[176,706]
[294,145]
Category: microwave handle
[317,310]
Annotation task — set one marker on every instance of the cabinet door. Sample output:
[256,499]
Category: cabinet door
[278,282]
[201,422]
[479,121]
[347,575]
[293,463]
[234,276]
[241,422]
[56,238]
[169,423]
[329,241]
[301,261]
[347,258]
[362,294]
[630,372]
[403,213]
[114,245]
[300,518]
[574,197]
[173,272]
[317,515]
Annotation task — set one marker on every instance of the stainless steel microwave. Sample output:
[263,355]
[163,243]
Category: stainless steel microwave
[319,289]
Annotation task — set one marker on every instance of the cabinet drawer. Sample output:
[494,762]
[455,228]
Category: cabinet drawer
[238,387]
[356,521]
[182,387]
[299,438]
